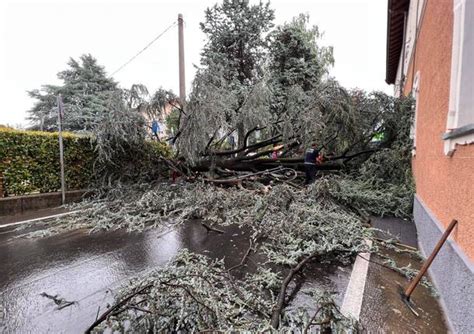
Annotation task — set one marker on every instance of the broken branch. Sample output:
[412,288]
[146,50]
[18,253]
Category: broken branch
[282,294]
[244,258]
[211,229]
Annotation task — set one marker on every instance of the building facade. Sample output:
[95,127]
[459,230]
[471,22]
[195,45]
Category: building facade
[430,55]
[156,125]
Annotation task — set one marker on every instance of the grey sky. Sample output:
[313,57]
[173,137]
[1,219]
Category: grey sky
[38,37]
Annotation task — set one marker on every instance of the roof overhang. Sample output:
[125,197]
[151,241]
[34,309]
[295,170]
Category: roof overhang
[395,29]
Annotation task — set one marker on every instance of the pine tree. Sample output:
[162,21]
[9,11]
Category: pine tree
[236,48]
[86,91]
[296,59]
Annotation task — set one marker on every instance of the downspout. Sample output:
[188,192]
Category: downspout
[415,42]
[402,76]
[419,22]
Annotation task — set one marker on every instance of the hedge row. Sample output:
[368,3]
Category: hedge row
[29,161]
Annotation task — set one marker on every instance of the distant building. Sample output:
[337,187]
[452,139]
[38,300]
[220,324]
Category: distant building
[157,123]
[430,54]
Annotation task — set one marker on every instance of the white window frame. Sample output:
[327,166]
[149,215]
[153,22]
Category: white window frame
[458,133]
[415,93]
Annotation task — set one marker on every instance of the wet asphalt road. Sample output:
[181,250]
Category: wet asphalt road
[89,268]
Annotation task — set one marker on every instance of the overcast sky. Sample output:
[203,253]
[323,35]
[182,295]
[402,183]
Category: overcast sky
[38,37]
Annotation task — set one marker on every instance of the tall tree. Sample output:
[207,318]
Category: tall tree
[298,67]
[296,59]
[235,48]
[86,90]
[285,92]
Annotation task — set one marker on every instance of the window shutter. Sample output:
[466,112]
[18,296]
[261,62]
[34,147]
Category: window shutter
[456,60]
[466,79]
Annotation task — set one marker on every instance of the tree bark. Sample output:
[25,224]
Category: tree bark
[236,164]
[241,138]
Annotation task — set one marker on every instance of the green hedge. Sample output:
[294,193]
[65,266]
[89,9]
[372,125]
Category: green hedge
[29,161]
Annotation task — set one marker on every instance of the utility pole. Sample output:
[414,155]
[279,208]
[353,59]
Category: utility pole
[182,87]
[61,150]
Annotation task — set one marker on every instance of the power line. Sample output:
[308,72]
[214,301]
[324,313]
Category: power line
[142,50]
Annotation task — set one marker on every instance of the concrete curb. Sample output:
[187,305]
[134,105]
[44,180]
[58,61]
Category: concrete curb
[20,204]
[354,295]
[38,219]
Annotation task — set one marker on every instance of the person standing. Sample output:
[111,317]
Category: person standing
[310,163]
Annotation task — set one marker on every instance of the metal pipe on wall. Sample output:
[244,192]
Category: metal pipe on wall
[182,79]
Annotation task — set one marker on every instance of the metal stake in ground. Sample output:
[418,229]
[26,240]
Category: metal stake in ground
[61,150]
[426,265]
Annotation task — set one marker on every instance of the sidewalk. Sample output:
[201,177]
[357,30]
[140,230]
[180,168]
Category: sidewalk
[382,308]
[403,230]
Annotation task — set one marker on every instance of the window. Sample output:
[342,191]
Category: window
[460,125]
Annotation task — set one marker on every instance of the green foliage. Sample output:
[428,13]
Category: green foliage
[85,91]
[193,293]
[122,152]
[112,117]
[251,80]
[29,161]
[288,94]
[295,56]
[233,58]
[172,121]
[296,59]
[383,184]
[137,98]
[392,163]
[370,196]
[290,225]
[235,31]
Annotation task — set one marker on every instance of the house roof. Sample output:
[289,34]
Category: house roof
[395,25]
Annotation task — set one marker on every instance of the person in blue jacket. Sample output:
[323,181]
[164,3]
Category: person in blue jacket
[310,158]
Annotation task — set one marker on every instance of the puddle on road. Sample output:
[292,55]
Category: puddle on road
[87,268]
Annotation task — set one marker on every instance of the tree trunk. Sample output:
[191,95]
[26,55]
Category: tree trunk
[240,137]
[236,164]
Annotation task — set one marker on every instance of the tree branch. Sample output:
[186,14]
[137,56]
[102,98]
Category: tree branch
[211,229]
[270,141]
[115,307]
[244,258]
[275,321]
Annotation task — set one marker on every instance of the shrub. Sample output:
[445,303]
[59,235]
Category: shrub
[29,161]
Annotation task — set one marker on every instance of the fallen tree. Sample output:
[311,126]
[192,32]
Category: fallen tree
[265,102]
[290,227]
[194,293]
[242,110]
[260,98]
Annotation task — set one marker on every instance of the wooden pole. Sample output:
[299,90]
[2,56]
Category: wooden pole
[428,262]
[61,149]
[182,84]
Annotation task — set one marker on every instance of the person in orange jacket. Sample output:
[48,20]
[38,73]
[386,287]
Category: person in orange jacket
[320,159]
